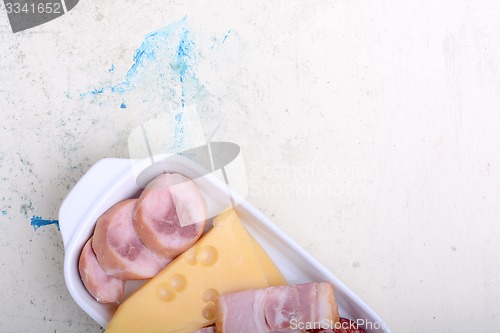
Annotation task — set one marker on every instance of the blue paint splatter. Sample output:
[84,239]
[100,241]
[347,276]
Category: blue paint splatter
[37,222]
[112,68]
[163,75]
[184,55]
[179,130]
[155,56]
[164,66]
[4,212]
[96,91]
[184,52]
[225,36]
[178,117]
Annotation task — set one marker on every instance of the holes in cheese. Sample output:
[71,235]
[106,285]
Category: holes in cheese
[227,259]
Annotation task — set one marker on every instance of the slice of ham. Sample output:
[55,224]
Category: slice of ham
[119,250]
[276,309]
[170,215]
[103,287]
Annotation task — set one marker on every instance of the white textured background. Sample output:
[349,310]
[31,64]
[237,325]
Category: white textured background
[371,133]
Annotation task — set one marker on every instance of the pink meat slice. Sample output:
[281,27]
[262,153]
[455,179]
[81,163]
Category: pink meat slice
[276,309]
[119,250]
[170,215]
[103,287]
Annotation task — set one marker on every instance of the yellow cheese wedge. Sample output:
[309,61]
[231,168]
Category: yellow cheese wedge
[273,274]
[180,299]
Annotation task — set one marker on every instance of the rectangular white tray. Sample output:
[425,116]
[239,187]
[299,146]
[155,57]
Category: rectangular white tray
[111,180]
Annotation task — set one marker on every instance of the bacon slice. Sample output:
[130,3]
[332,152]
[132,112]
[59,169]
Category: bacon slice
[103,287]
[276,309]
[119,250]
[170,215]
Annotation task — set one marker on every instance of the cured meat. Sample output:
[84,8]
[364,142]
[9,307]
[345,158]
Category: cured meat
[119,250]
[276,309]
[103,287]
[170,215]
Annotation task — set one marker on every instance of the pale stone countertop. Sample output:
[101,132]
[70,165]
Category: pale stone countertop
[370,134]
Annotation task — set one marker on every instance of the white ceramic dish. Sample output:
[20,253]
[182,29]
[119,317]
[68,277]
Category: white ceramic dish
[112,180]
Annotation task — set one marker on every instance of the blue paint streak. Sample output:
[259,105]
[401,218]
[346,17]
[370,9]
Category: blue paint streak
[96,91]
[178,117]
[166,62]
[148,54]
[179,130]
[225,36]
[37,222]
[184,54]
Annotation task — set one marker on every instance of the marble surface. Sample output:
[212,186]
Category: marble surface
[370,133]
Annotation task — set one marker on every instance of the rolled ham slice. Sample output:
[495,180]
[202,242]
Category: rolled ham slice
[170,215]
[118,248]
[276,309]
[103,287]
